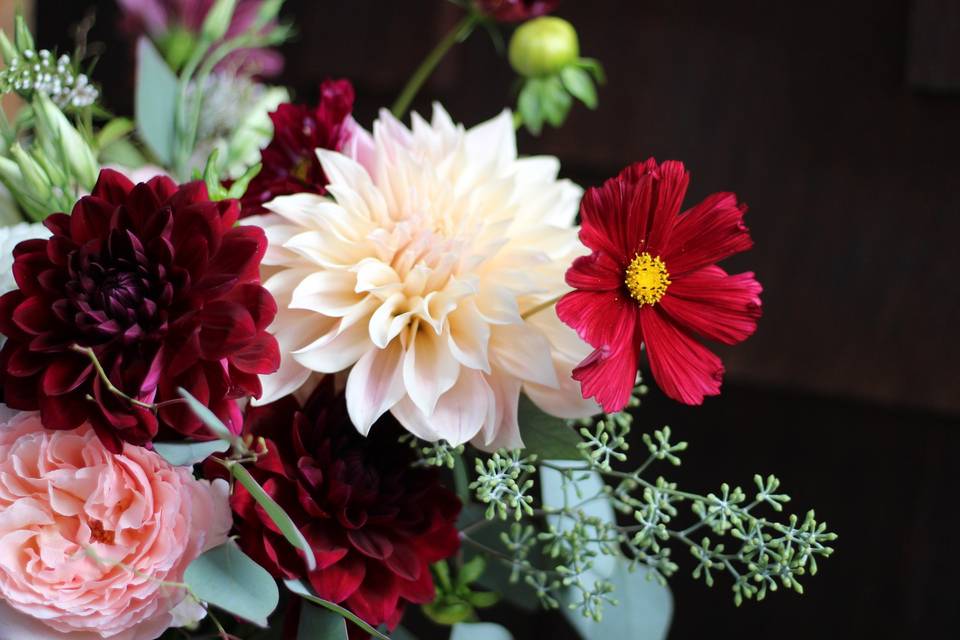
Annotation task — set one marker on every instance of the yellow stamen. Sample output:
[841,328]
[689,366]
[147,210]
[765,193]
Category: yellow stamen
[647,278]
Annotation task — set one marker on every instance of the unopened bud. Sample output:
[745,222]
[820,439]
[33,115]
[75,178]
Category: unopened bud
[543,46]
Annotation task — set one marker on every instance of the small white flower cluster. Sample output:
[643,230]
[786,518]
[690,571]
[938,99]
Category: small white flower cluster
[40,71]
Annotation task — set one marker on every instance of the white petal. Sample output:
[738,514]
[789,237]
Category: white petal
[326,249]
[413,420]
[374,275]
[374,386]
[465,409]
[329,292]
[503,432]
[523,352]
[301,209]
[385,323]
[469,336]
[336,350]
[493,142]
[498,305]
[429,368]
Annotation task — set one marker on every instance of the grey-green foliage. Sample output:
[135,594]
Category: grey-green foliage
[727,532]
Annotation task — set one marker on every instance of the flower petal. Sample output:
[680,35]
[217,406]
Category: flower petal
[715,305]
[374,385]
[707,233]
[683,368]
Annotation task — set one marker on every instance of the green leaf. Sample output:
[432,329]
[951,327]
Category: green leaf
[22,34]
[529,106]
[555,101]
[7,50]
[276,513]
[218,20]
[155,101]
[497,575]
[320,624]
[580,85]
[644,611]
[299,588]
[483,599]
[448,613]
[545,435]
[210,419]
[239,186]
[183,454]
[113,131]
[471,571]
[557,491]
[228,579]
[483,631]
[594,68]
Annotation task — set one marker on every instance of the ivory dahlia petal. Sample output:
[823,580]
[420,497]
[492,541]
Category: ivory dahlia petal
[430,272]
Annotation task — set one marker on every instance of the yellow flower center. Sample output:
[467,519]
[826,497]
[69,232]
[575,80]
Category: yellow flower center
[647,278]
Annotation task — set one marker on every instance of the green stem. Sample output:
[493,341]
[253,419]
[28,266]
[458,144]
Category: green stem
[459,33]
[460,479]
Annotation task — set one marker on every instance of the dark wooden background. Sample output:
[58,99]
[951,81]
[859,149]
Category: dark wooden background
[839,123]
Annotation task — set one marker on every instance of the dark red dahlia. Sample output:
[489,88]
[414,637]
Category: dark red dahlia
[516,10]
[375,523]
[289,162]
[160,284]
[651,280]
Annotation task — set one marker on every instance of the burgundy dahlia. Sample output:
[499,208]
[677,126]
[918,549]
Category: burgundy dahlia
[289,162]
[516,10]
[160,284]
[375,523]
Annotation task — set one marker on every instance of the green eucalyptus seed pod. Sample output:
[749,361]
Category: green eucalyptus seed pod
[543,46]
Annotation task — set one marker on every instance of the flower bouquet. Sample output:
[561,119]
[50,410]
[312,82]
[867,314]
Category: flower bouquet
[270,372]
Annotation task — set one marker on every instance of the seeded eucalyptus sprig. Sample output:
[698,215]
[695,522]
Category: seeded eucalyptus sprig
[29,71]
[556,545]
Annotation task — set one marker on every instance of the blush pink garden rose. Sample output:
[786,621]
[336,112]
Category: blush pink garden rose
[76,520]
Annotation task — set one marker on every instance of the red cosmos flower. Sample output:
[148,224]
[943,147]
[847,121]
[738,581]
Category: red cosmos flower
[516,10]
[289,162]
[651,279]
[374,522]
[158,281]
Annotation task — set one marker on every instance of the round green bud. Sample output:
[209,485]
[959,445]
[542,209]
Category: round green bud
[543,46]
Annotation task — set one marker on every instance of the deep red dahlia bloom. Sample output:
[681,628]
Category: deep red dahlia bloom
[651,280]
[516,10]
[158,281]
[289,162]
[375,523]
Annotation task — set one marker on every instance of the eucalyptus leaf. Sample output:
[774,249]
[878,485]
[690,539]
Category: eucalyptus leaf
[545,435]
[182,454]
[228,579]
[302,590]
[210,419]
[276,513]
[557,491]
[320,624]
[155,101]
[480,631]
[644,613]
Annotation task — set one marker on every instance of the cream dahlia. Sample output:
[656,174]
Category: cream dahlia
[430,270]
